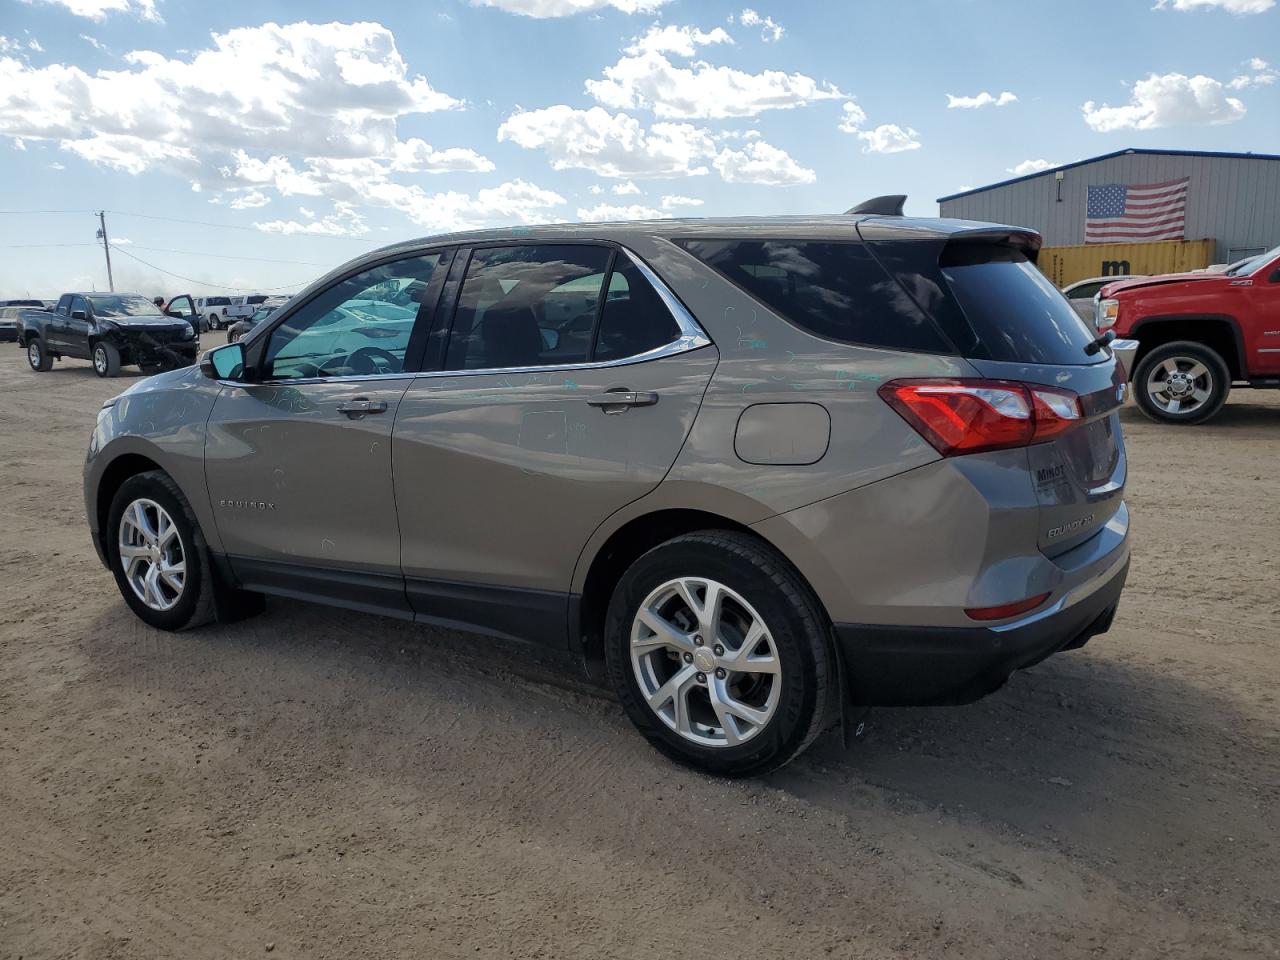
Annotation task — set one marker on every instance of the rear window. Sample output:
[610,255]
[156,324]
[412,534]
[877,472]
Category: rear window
[1013,308]
[832,289]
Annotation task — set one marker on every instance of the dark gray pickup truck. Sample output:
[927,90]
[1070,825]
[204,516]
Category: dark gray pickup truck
[112,330]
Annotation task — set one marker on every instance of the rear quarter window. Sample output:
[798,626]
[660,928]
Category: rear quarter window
[833,289]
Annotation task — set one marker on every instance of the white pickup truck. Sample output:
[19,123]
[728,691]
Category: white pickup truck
[243,307]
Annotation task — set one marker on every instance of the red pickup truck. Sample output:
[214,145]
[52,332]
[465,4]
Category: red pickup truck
[1198,333]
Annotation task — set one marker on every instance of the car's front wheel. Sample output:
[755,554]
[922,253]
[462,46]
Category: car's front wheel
[158,554]
[1181,382]
[720,653]
[106,360]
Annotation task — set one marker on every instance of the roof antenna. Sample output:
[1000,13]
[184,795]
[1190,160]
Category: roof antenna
[890,205]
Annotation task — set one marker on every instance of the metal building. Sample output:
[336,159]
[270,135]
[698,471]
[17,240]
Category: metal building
[1233,201]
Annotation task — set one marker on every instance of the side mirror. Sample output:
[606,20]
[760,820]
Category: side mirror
[224,363]
[79,315]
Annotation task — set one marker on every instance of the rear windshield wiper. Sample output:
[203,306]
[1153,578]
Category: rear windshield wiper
[1093,346]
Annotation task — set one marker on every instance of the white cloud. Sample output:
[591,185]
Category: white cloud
[610,145]
[324,89]
[129,154]
[57,166]
[649,80]
[852,118]
[673,200]
[760,162]
[770,32]
[1032,166]
[1263,75]
[982,99]
[595,190]
[8,45]
[679,40]
[345,221]
[1238,7]
[34,44]
[250,200]
[417,156]
[567,8]
[100,9]
[624,189]
[889,138]
[604,211]
[1167,101]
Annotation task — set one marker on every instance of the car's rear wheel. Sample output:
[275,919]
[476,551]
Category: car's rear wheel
[1181,382]
[38,357]
[720,653]
[106,360]
[158,554]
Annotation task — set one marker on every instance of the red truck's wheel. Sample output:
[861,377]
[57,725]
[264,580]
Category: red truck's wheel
[1181,382]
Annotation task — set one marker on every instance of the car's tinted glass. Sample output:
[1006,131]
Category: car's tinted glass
[358,327]
[78,303]
[635,320]
[1087,291]
[1014,310]
[218,301]
[119,305]
[832,289]
[64,303]
[528,305]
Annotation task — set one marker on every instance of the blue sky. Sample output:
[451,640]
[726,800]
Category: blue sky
[303,134]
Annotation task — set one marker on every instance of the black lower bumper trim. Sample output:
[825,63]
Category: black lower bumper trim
[927,666]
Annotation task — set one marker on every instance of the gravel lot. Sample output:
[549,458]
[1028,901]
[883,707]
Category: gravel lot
[313,783]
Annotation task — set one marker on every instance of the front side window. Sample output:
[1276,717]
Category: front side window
[529,305]
[358,327]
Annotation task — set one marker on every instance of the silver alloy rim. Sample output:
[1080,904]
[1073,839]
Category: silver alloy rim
[151,554]
[33,354]
[706,662]
[100,360]
[1180,385]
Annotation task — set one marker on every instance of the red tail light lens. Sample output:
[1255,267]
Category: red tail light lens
[1005,610]
[970,416]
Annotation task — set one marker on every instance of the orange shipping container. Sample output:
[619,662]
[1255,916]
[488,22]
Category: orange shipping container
[1064,265]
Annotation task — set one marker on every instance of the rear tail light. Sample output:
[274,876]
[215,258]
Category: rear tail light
[970,416]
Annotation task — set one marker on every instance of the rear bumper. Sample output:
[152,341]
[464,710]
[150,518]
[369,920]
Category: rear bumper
[925,666]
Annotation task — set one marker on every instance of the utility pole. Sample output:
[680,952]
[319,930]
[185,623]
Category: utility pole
[106,247]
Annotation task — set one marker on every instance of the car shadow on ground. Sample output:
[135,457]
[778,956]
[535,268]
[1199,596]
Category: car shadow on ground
[1044,757]
[1235,414]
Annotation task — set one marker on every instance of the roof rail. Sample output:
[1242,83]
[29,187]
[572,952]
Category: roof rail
[890,205]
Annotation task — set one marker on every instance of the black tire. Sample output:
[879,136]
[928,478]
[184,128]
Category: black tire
[106,359]
[1216,380]
[808,700]
[38,357]
[195,605]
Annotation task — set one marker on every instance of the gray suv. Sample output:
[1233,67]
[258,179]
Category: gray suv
[754,471]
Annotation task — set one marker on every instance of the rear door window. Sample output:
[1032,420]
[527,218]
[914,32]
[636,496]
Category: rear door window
[833,289]
[528,305]
[634,320]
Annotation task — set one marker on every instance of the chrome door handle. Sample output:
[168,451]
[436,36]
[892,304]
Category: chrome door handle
[622,399]
[360,406]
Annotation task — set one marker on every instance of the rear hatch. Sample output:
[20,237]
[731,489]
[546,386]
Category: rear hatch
[1005,317]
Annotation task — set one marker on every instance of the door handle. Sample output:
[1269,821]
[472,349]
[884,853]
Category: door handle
[617,401]
[361,406]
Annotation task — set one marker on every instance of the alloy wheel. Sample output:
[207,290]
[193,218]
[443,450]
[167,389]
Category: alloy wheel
[706,662]
[33,354]
[1180,385]
[151,554]
[100,361]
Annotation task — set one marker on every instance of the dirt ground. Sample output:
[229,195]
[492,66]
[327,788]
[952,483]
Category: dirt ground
[313,783]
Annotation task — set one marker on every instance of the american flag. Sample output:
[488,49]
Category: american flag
[1147,211]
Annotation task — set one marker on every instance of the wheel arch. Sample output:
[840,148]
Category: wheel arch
[1219,332]
[622,547]
[113,477]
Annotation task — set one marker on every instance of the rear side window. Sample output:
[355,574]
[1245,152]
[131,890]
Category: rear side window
[833,289]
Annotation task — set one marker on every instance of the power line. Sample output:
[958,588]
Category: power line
[204,283]
[34,246]
[220,256]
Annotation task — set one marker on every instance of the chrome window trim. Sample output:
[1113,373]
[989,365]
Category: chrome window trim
[692,337]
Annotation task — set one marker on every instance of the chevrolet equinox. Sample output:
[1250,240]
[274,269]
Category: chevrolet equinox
[753,471]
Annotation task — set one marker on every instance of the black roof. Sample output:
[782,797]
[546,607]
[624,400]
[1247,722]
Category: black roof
[1108,156]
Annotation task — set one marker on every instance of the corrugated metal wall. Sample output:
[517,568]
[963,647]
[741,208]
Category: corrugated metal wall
[1065,265]
[1233,201]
